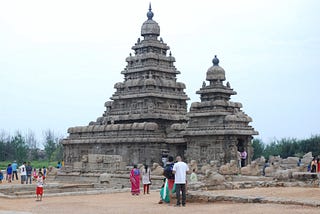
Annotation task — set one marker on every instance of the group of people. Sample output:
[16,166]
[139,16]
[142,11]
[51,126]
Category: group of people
[145,176]
[27,175]
[26,171]
[175,180]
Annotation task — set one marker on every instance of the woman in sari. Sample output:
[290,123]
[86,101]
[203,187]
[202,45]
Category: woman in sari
[135,180]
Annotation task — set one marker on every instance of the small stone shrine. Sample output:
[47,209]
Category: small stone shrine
[147,118]
[217,128]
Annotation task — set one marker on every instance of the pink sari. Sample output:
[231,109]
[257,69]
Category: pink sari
[135,181]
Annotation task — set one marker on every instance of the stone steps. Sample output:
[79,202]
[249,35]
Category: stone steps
[29,190]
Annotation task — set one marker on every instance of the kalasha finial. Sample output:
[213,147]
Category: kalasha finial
[215,60]
[150,13]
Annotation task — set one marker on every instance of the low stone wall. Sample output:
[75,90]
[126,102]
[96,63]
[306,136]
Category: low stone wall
[197,196]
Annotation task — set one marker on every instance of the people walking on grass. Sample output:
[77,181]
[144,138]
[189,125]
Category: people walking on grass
[40,182]
[180,170]
[135,180]
[14,166]
[29,172]
[146,179]
[9,173]
[23,173]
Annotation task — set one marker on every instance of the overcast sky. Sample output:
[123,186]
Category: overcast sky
[59,60]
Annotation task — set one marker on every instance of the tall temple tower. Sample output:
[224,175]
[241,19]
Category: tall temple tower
[147,109]
[150,91]
[217,128]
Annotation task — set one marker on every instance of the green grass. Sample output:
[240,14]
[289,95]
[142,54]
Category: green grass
[36,164]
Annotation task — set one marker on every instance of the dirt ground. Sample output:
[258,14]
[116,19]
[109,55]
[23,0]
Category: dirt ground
[126,203]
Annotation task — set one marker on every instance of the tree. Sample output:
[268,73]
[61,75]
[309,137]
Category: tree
[50,144]
[258,148]
[52,147]
[20,149]
[58,153]
[5,146]
[32,145]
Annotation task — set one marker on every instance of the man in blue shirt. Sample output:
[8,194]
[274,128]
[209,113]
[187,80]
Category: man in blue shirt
[14,166]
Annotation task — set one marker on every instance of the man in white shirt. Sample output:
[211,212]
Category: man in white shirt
[180,170]
[23,173]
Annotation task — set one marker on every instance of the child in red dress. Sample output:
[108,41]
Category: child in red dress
[40,181]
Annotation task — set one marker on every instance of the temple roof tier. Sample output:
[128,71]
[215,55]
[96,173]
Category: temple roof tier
[150,68]
[151,44]
[217,90]
[216,103]
[143,95]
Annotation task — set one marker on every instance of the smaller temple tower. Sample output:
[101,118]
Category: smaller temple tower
[217,127]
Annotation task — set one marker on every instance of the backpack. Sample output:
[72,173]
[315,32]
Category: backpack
[168,171]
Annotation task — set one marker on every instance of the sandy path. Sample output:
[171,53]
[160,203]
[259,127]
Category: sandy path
[125,203]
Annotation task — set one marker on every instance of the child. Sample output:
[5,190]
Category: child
[9,173]
[1,176]
[193,176]
[34,175]
[40,181]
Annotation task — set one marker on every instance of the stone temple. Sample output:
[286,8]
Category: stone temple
[147,118]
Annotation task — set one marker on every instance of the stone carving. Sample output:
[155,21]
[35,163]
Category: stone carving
[231,168]
[213,179]
[251,169]
[84,159]
[99,159]
[156,169]
[193,166]
[208,168]
[105,178]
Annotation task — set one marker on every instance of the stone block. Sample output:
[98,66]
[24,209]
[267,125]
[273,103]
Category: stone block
[77,165]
